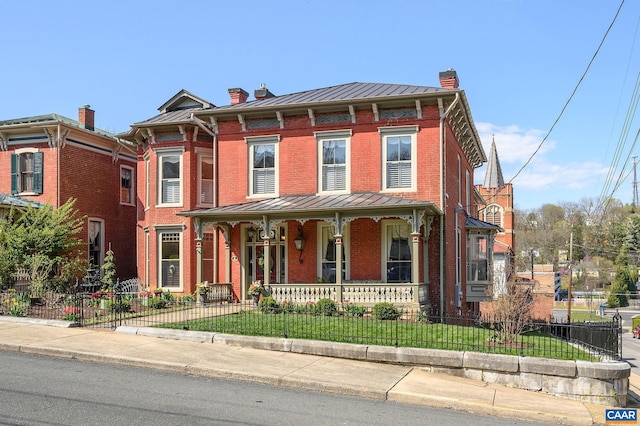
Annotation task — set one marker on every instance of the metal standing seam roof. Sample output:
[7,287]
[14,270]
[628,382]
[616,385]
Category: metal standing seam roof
[39,119]
[14,201]
[473,223]
[343,92]
[312,205]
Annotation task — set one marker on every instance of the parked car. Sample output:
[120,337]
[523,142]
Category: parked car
[636,332]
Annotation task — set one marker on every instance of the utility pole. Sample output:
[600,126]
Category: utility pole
[570,278]
[635,182]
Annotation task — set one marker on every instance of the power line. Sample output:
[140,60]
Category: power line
[571,96]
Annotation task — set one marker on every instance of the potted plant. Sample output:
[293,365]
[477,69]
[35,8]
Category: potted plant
[202,289]
[256,289]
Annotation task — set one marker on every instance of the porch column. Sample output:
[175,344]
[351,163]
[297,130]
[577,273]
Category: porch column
[198,228]
[415,264]
[227,252]
[198,259]
[267,260]
[338,256]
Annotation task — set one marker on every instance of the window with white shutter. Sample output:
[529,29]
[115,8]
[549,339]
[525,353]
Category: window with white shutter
[263,165]
[333,161]
[399,156]
[170,178]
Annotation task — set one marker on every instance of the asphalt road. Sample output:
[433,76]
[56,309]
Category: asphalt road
[37,390]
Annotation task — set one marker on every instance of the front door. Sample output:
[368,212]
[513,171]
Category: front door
[255,259]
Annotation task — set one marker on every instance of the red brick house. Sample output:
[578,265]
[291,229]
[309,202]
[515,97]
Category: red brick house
[360,192]
[51,158]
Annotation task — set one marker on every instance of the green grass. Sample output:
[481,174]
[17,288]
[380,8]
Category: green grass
[369,331]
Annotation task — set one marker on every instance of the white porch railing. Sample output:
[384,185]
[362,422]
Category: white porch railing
[365,293]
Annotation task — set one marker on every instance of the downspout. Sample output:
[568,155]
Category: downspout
[443,115]
[458,285]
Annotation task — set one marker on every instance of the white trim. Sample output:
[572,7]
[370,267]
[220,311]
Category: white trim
[321,137]
[252,142]
[412,132]
[160,231]
[383,253]
[345,245]
[201,157]
[25,150]
[167,153]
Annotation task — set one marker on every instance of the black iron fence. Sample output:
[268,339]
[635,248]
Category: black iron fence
[386,325]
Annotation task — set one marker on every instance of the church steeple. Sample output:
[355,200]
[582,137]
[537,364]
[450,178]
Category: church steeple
[493,177]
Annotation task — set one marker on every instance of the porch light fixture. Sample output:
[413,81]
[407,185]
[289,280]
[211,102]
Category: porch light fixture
[250,233]
[299,242]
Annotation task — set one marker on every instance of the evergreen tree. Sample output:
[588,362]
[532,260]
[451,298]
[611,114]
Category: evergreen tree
[109,269]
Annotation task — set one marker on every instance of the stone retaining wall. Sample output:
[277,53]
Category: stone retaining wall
[605,383]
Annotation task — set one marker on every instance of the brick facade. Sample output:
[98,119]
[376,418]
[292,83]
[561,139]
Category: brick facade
[82,164]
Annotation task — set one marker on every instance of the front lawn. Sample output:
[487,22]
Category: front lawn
[366,330]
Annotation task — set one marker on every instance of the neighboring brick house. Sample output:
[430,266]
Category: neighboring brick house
[360,192]
[50,159]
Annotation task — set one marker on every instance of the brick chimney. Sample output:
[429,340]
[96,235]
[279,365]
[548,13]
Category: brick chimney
[263,93]
[86,117]
[449,79]
[238,96]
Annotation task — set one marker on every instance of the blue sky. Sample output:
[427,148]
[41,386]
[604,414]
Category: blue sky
[517,60]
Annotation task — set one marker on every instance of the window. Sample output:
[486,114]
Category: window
[205,180]
[170,247]
[459,181]
[170,173]
[478,261]
[263,175]
[126,185]
[333,152]
[493,214]
[26,171]
[328,253]
[468,191]
[147,182]
[96,243]
[397,252]
[399,153]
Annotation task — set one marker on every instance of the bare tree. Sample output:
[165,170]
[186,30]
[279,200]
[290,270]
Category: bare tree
[511,310]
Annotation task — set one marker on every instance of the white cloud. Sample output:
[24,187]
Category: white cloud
[514,144]
[547,170]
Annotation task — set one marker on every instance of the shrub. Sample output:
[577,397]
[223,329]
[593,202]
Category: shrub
[157,303]
[119,305]
[269,305]
[353,310]
[187,299]
[326,307]
[386,311]
[19,305]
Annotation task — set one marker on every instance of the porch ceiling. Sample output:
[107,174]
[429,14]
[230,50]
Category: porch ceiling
[365,204]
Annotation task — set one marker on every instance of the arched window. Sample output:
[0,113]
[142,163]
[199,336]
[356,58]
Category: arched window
[493,214]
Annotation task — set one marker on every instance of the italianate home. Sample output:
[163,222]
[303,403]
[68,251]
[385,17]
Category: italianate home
[359,192]
[49,159]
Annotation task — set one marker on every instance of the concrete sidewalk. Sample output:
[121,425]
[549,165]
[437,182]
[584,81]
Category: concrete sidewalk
[183,353]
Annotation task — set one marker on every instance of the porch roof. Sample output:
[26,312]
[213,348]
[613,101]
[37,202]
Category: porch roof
[473,223]
[316,206]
